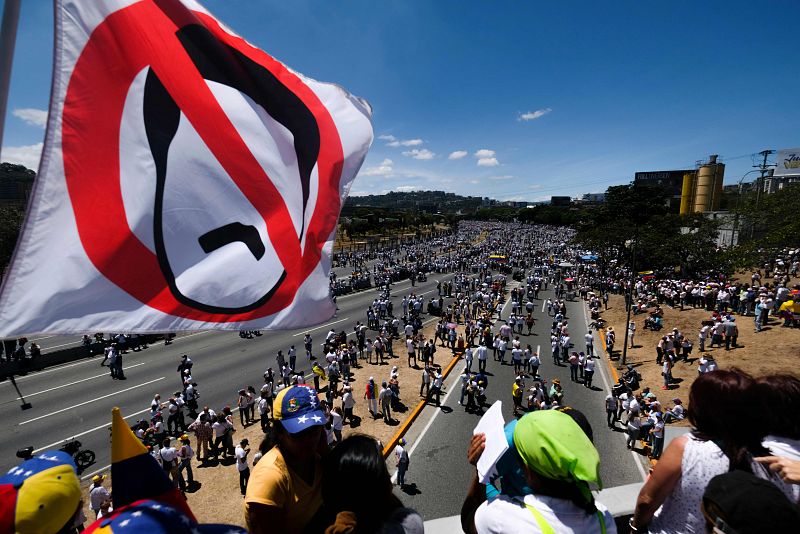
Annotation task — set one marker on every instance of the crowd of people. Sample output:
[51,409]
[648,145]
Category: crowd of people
[306,475]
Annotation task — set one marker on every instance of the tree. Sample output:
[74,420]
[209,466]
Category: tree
[663,241]
[767,222]
[11,218]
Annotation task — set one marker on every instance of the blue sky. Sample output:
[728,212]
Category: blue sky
[517,100]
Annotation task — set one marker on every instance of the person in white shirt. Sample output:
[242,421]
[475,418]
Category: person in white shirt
[436,389]
[483,354]
[185,455]
[589,338]
[559,462]
[336,423]
[241,453]
[588,372]
[385,399]
[401,455]
[169,461]
[612,404]
[263,411]
[677,413]
[348,403]
[98,494]
[631,332]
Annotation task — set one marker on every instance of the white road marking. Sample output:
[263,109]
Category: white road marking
[58,368]
[450,390]
[107,425]
[50,370]
[320,327]
[90,401]
[77,382]
[607,382]
[45,337]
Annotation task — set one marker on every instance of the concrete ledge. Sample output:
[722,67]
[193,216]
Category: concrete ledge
[66,355]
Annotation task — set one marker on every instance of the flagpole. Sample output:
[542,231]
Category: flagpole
[8,38]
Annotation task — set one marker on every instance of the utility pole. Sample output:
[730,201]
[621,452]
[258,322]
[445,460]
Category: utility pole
[8,38]
[763,168]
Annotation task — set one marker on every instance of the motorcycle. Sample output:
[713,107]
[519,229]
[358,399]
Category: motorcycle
[83,458]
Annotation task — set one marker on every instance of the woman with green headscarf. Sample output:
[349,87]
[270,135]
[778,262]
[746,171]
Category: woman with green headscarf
[560,463]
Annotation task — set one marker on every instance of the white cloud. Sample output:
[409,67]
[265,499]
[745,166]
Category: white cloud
[23,155]
[411,142]
[484,153]
[406,188]
[535,186]
[395,142]
[384,169]
[533,115]
[359,193]
[34,117]
[419,153]
[458,154]
[488,162]
[504,177]
[473,182]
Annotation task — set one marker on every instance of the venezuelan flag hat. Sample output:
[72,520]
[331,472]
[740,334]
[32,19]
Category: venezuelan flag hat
[155,518]
[40,495]
[298,408]
[135,474]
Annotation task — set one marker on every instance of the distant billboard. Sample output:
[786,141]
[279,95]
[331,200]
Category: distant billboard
[788,162]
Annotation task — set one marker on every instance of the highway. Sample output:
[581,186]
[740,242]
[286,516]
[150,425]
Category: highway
[75,399]
[438,440]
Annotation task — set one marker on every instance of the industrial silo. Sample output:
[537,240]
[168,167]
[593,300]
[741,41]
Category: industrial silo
[687,192]
[708,189]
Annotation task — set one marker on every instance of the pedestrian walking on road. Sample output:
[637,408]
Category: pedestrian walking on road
[436,389]
[309,346]
[574,365]
[589,343]
[612,404]
[588,372]
[116,367]
[401,455]
[483,354]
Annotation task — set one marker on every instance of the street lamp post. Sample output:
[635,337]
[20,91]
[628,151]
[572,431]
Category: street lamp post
[630,302]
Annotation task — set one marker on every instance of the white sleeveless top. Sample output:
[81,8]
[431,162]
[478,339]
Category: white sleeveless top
[680,513]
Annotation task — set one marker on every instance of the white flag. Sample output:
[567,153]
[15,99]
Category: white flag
[188,180]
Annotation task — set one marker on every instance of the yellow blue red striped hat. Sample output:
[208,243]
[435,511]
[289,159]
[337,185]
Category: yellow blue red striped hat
[40,495]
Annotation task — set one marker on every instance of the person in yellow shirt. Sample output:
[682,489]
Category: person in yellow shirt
[284,491]
[516,394]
